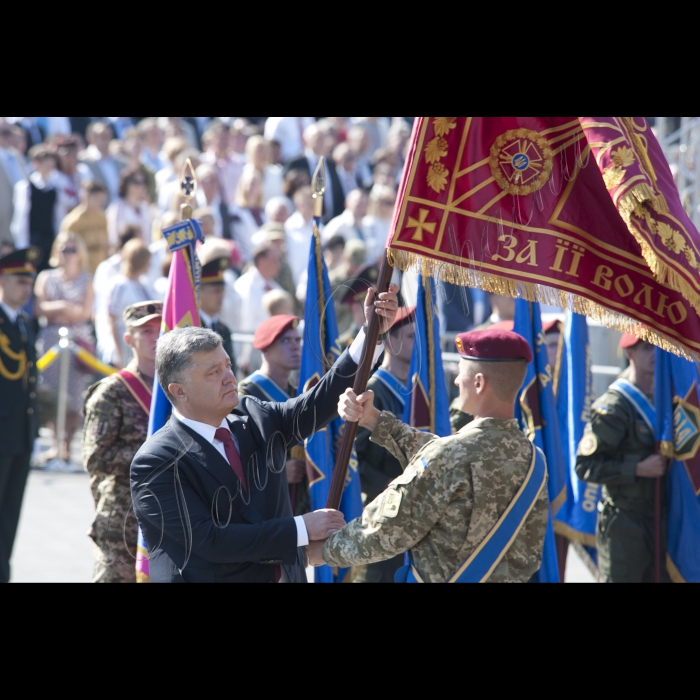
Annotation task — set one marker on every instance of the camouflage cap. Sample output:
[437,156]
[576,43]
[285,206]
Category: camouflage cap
[139,314]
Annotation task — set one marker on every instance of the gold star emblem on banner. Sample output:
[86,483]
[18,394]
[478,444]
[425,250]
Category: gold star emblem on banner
[421,224]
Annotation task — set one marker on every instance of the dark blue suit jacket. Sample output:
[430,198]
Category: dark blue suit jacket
[199,523]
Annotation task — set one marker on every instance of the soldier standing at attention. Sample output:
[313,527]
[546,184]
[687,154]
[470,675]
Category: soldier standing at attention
[279,341]
[116,426]
[18,402]
[617,451]
[378,467]
[471,507]
[215,260]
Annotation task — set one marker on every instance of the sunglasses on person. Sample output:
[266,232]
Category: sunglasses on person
[138,182]
[69,251]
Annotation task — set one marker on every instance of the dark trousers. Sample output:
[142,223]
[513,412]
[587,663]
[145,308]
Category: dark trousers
[14,470]
[626,547]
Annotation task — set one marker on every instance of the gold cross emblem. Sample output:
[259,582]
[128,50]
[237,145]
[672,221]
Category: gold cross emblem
[421,225]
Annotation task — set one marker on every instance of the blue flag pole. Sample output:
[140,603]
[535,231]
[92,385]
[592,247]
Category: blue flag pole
[428,408]
[537,414]
[578,517]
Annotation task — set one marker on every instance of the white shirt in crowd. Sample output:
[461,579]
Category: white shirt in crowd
[299,234]
[120,213]
[288,131]
[251,287]
[344,225]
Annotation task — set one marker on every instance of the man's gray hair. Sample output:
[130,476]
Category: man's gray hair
[175,351]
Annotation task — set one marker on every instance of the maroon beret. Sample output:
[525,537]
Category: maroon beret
[355,289]
[629,341]
[493,346]
[269,331]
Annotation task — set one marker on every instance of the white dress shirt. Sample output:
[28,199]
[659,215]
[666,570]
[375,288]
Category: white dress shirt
[9,312]
[208,432]
[299,234]
[288,132]
[251,288]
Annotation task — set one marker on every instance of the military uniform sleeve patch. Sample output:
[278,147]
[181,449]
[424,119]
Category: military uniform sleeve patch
[588,445]
[603,410]
[392,503]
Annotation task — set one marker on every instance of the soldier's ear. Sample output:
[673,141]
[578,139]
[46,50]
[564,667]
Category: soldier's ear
[127,339]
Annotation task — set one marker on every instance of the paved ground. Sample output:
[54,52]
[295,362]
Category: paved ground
[52,545]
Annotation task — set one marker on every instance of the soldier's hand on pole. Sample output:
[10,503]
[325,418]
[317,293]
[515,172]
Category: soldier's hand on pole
[385,307]
[652,467]
[314,552]
[323,523]
[359,409]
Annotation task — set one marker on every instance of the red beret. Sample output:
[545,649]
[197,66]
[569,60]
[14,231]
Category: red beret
[493,346]
[273,328]
[404,316]
[629,341]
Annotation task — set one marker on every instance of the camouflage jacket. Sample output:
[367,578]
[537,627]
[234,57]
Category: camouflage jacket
[615,441]
[115,429]
[450,496]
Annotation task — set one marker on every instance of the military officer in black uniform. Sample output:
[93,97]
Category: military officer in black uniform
[211,295]
[18,401]
[377,466]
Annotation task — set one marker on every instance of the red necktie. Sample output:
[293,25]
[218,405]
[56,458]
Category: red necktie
[234,458]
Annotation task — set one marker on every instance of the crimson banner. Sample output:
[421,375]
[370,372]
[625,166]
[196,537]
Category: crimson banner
[581,212]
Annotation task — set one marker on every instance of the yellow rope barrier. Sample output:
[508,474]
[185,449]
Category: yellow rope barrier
[86,358]
[48,359]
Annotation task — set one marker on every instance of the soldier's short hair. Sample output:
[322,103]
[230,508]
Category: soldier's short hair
[175,351]
[506,378]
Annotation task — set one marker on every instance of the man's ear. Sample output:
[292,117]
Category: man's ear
[128,339]
[178,391]
[479,382]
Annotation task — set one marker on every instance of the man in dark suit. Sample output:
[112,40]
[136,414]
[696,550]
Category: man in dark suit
[314,147]
[18,401]
[210,492]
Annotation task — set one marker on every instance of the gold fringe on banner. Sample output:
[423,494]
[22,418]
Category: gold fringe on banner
[637,203]
[502,286]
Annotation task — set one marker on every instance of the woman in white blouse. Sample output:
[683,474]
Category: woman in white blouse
[132,208]
[247,214]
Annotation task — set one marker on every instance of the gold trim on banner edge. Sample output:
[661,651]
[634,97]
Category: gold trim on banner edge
[516,289]
[633,203]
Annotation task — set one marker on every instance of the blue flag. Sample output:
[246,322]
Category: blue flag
[537,412]
[578,517]
[429,406]
[678,431]
[321,350]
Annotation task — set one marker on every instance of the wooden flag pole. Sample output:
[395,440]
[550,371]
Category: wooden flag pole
[340,472]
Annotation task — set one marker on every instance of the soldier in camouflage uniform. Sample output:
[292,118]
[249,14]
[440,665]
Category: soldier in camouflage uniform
[617,451]
[116,426]
[453,490]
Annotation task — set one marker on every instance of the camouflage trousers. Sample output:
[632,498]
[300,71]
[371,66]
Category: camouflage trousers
[114,532]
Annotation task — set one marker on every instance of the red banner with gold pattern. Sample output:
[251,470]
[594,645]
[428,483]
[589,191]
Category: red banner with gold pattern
[581,212]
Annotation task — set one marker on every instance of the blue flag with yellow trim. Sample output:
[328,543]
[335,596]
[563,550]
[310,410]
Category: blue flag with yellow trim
[428,407]
[537,412]
[677,383]
[321,350]
[578,517]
